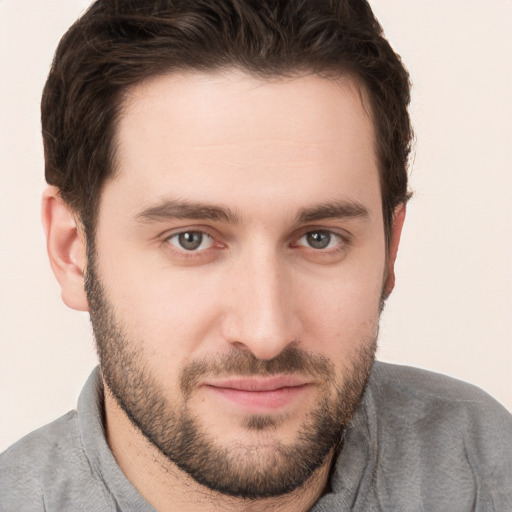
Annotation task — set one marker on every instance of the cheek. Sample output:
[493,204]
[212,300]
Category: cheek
[167,311]
[346,313]
[342,314]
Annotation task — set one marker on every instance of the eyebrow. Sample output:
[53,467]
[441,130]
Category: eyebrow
[333,210]
[175,209]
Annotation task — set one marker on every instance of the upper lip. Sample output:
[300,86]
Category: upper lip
[259,383]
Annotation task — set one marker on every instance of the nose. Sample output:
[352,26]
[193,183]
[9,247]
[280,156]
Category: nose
[261,313]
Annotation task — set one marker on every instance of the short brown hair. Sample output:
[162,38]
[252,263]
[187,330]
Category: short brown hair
[118,43]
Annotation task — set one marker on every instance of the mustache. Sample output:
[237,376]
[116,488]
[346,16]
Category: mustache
[245,363]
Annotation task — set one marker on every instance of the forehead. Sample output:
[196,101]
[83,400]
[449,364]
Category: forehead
[210,136]
[193,103]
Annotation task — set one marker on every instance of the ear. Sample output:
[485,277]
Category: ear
[65,244]
[394,242]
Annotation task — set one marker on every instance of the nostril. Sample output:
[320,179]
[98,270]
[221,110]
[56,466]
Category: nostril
[240,346]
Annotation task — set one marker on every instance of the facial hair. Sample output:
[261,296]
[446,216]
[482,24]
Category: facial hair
[246,470]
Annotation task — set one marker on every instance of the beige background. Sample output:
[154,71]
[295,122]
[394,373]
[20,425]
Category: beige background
[451,310]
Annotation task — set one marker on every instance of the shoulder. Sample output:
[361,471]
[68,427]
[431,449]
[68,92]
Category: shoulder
[41,460]
[413,395]
[443,432]
[414,391]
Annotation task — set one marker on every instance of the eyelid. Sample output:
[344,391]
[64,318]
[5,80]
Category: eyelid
[206,230]
[344,240]
[340,239]
[199,249]
[341,233]
[184,253]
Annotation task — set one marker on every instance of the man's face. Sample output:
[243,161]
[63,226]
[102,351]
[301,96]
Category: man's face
[237,273]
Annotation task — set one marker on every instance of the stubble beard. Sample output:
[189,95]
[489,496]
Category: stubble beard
[246,470]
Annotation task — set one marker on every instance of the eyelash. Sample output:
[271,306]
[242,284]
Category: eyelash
[343,242]
[182,252]
[323,232]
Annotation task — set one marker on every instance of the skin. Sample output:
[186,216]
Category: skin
[274,153]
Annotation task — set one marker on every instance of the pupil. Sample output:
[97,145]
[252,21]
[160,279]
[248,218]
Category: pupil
[319,239]
[190,240]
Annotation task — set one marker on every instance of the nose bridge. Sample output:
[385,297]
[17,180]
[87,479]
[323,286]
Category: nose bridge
[261,316]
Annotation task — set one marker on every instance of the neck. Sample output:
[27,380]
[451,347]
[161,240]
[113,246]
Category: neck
[167,488]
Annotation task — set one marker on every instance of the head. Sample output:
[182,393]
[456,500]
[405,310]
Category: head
[237,175]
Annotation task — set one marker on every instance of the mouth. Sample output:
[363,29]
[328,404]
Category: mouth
[259,395]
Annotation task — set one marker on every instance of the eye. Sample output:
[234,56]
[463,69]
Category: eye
[320,239]
[191,241]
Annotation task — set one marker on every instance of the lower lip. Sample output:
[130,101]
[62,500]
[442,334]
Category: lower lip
[261,401]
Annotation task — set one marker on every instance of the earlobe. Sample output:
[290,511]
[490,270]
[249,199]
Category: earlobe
[394,242]
[66,248]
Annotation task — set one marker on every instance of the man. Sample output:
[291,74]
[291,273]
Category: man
[227,191]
